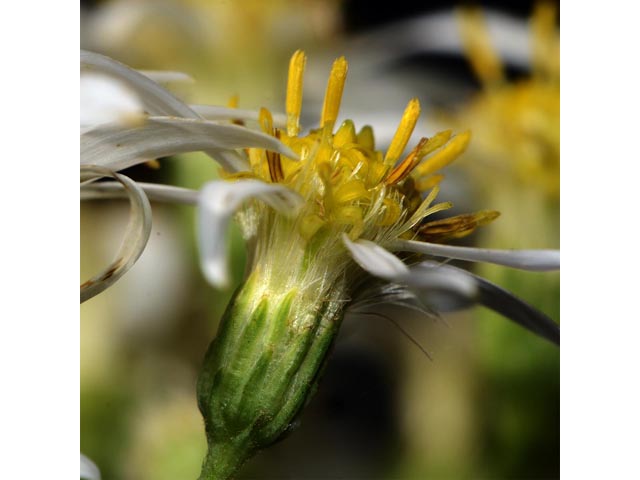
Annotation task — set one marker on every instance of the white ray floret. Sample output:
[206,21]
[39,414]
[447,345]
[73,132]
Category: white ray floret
[376,260]
[88,469]
[533,260]
[118,147]
[104,99]
[217,203]
[135,237]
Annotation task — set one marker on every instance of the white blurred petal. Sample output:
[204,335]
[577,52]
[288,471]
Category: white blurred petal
[154,191]
[117,148]
[88,469]
[440,32]
[432,281]
[448,296]
[156,99]
[135,237]
[534,260]
[104,99]
[215,112]
[163,77]
[375,259]
[218,201]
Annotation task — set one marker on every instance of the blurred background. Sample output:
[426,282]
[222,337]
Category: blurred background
[487,405]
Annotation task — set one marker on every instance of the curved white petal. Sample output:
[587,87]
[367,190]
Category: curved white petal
[430,280]
[375,259]
[217,203]
[104,99]
[154,191]
[135,237]
[440,32]
[88,469]
[156,99]
[534,260]
[214,112]
[117,148]
[482,292]
[162,77]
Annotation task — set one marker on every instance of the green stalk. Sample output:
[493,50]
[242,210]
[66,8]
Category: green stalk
[262,367]
[225,458]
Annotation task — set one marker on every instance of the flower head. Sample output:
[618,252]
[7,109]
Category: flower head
[334,228]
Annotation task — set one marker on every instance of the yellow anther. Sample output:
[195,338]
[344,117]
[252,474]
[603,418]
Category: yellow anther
[404,131]
[403,169]
[365,137]
[233,101]
[546,59]
[153,164]
[435,142]
[294,92]
[477,42]
[273,158]
[266,121]
[377,170]
[445,155]
[275,164]
[346,134]
[333,95]
[458,226]
[425,183]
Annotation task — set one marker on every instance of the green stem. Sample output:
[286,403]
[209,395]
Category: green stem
[224,459]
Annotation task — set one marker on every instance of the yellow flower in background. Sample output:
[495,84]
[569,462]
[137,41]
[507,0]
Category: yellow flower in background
[516,124]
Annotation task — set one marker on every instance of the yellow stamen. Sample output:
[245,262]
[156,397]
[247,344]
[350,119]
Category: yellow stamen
[545,40]
[477,42]
[233,101]
[153,164]
[404,131]
[273,158]
[445,155]
[294,92]
[266,121]
[458,226]
[435,142]
[333,95]
[424,184]
[403,169]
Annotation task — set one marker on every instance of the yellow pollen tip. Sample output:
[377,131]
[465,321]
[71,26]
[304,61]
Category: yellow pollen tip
[233,101]
[333,95]
[294,92]
[404,131]
[445,155]
[404,168]
[266,121]
[477,42]
[545,39]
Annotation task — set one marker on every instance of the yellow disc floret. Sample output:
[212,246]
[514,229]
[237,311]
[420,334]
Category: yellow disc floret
[349,186]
